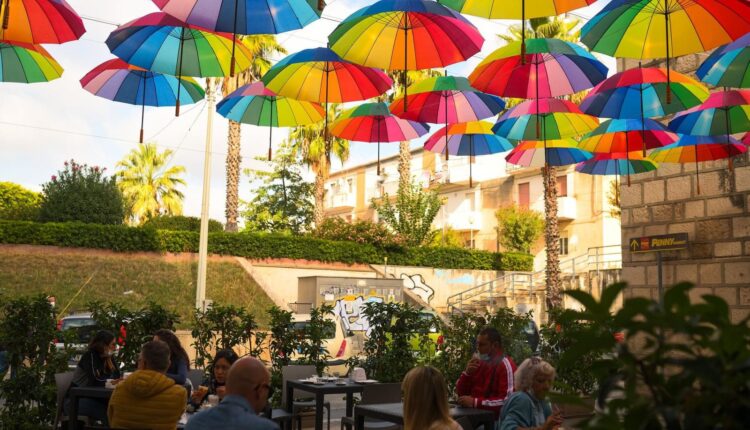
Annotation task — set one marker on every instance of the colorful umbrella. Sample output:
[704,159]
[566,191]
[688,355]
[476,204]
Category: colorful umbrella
[693,149]
[727,66]
[468,139]
[374,122]
[642,93]
[617,163]
[39,21]
[257,105]
[535,153]
[665,28]
[406,35]
[245,16]
[27,64]
[320,75]
[446,100]
[724,112]
[559,119]
[119,81]
[746,139]
[550,68]
[164,44]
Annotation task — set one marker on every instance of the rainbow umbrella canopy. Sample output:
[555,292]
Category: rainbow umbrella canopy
[119,81]
[723,113]
[556,152]
[374,122]
[650,29]
[27,64]
[729,65]
[617,163]
[257,105]
[244,16]
[468,139]
[406,35]
[39,21]
[560,119]
[549,68]
[161,43]
[694,149]
[320,75]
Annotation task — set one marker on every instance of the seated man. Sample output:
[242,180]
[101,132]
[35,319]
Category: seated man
[246,394]
[488,378]
[148,398]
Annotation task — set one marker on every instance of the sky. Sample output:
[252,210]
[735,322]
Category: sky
[44,124]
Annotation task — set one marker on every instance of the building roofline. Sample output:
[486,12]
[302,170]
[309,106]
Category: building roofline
[370,164]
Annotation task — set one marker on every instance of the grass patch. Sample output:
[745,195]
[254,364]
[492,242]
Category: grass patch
[130,280]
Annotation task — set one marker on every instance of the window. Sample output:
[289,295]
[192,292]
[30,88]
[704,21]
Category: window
[523,195]
[470,198]
[562,186]
[350,182]
[563,246]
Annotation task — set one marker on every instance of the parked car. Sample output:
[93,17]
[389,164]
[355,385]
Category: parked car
[78,328]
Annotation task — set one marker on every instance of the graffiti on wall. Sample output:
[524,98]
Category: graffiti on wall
[348,303]
[418,286]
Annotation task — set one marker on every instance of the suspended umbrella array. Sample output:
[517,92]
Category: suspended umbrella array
[557,152]
[728,66]
[617,163]
[27,64]
[374,122]
[468,139]
[119,81]
[257,105]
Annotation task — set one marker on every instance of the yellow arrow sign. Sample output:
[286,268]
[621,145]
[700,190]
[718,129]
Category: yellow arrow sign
[634,245]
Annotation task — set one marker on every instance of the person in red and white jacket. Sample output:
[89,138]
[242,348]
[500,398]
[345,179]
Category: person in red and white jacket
[488,378]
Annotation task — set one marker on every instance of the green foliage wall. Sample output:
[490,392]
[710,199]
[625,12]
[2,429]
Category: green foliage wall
[181,223]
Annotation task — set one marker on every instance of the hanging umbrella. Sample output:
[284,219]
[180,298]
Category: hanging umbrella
[257,105]
[446,100]
[617,163]
[724,112]
[728,66]
[746,139]
[244,16]
[649,29]
[374,122]
[535,153]
[161,43]
[626,135]
[320,75]
[559,119]
[27,64]
[518,9]
[39,21]
[549,68]
[468,139]
[119,81]
[693,149]
[406,35]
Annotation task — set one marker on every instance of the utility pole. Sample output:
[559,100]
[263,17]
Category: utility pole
[200,294]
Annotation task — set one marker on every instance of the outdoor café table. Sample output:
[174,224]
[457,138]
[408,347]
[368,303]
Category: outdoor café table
[320,390]
[394,413]
[76,393]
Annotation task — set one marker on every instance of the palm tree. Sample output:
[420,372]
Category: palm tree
[566,30]
[148,184]
[309,142]
[262,47]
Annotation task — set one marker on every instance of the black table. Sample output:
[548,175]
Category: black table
[76,393]
[320,390]
[394,413]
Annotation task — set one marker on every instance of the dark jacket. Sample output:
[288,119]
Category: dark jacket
[92,371]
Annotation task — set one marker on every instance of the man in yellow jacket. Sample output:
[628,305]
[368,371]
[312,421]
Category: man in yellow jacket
[148,398]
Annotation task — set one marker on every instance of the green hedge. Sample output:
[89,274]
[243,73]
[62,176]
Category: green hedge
[181,223]
[252,245]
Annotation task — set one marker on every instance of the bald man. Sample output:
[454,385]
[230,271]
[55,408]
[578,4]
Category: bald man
[246,394]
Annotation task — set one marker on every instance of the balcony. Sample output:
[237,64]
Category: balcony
[463,221]
[566,207]
[340,200]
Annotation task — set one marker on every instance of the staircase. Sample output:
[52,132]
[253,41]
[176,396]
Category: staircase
[590,272]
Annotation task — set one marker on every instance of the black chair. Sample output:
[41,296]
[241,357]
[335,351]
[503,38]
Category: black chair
[301,406]
[372,395]
[465,423]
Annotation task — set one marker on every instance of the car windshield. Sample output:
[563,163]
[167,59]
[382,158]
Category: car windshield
[84,328]
[301,326]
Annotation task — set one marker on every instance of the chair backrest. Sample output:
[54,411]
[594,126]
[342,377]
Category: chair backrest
[465,423]
[196,377]
[295,371]
[62,382]
[381,393]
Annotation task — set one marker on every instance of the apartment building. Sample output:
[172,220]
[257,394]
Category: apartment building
[583,208]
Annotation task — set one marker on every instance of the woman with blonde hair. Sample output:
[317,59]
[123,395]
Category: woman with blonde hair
[528,408]
[426,401]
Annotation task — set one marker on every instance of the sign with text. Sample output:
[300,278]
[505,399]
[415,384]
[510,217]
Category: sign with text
[664,242]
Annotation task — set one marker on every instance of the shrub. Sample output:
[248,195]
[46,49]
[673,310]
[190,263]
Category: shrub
[181,223]
[311,345]
[222,327]
[82,193]
[282,345]
[18,203]
[518,228]
[364,232]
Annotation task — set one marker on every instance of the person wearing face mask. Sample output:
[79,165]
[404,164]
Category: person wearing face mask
[528,408]
[487,380]
[95,367]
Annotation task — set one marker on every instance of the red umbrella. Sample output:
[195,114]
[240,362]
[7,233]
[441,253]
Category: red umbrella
[39,21]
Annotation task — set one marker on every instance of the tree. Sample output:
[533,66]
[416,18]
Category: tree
[82,193]
[283,201]
[262,47]
[18,203]
[412,215]
[310,144]
[149,185]
[566,30]
[447,237]
[613,198]
[518,228]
